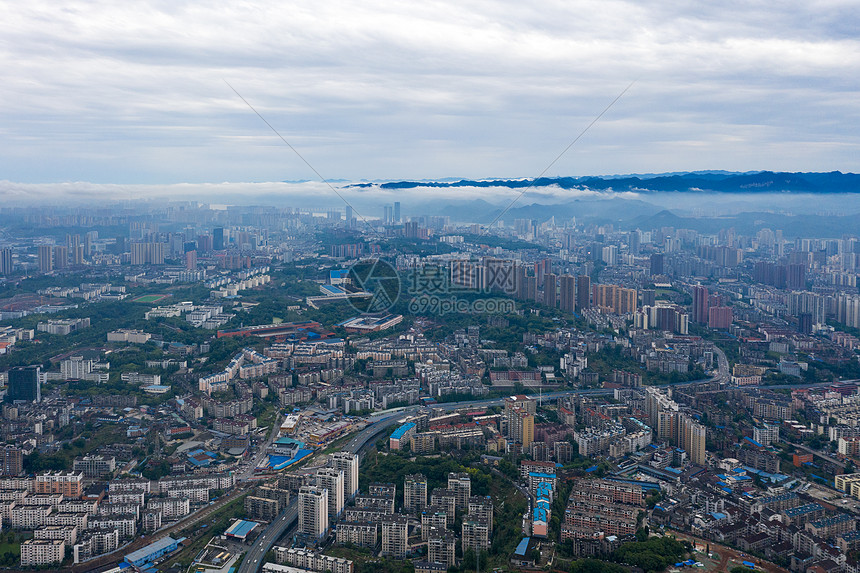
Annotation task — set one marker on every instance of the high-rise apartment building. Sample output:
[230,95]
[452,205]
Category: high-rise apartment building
[5,261]
[414,493]
[583,292]
[394,536]
[475,534]
[70,484]
[481,507]
[699,312]
[678,427]
[13,461]
[46,258]
[656,264]
[567,293]
[441,547]
[461,484]
[313,511]
[348,464]
[550,290]
[61,257]
[332,480]
[615,299]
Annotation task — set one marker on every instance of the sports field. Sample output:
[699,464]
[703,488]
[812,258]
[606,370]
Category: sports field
[150,298]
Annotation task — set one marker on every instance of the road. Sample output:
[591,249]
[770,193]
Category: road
[820,454]
[262,452]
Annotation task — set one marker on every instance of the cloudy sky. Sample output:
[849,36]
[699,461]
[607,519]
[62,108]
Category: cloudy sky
[135,92]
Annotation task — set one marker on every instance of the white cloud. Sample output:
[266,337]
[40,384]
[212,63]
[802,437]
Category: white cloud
[134,92]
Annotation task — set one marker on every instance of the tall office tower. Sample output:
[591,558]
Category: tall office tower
[13,461]
[24,384]
[332,480]
[700,304]
[46,258]
[387,214]
[414,493]
[218,243]
[5,261]
[348,214]
[397,211]
[348,464]
[583,292]
[656,264]
[313,511]
[461,484]
[567,293]
[61,257]
[394,536]
[550,285]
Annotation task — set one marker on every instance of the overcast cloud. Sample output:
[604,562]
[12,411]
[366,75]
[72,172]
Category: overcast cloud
[116,92]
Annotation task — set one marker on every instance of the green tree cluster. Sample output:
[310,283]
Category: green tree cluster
[653,554]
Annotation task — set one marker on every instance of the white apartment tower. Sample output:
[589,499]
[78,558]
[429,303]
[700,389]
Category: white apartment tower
[313,511]
[332,480]
[414,493]
[347,463]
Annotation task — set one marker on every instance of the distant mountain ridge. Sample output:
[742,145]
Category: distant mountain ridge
[693,182]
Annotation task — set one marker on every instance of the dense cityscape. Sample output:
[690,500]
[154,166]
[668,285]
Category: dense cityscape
[192,388]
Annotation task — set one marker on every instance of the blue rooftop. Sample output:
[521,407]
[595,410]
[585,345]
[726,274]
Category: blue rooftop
[330,289]
[241,528]
[522,547]
[281,462]
[398,433]
[152,551]
[753,442]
